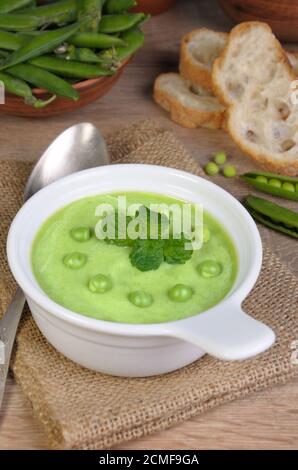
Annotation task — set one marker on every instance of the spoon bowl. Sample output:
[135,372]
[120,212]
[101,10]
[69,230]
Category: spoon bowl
[77,148]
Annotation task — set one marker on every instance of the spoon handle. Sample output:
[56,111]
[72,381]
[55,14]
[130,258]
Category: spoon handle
[8,328]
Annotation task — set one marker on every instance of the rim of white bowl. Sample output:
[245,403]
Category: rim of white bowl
[38,296]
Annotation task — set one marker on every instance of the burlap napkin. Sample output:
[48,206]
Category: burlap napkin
[81,409]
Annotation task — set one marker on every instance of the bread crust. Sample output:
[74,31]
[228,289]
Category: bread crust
[267,159]
[184,115]
[191,69]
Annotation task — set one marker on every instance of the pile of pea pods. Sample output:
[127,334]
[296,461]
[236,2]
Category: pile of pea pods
[55,45]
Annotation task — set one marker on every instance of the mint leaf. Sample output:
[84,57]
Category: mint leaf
[175,252]
[147,255]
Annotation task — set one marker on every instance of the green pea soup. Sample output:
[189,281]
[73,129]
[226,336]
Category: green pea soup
[96,279]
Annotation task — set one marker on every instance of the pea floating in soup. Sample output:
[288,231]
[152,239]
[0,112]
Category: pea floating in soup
[126,282]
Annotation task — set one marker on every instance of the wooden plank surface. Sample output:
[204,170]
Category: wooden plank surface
[265,420]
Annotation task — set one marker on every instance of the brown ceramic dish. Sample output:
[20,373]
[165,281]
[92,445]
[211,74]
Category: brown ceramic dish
[90,90]
[281,15]
[153,7]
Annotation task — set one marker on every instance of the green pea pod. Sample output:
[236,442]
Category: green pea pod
[272,215]
[6,6]
[118,6]
[21,88]
[134,39]
[69,68]
[122,22]
[14,22]
[96,40]
[10,41]
[44,79]
[81,54]
[93,8]
[287,187]
[59,13]
[40,44]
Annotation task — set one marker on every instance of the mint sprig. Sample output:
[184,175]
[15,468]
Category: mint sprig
[148,254]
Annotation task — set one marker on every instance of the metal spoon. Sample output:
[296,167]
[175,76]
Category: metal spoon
[78,148]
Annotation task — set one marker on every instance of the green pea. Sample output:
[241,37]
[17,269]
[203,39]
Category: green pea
[297,187]
[206,234]
[261,179]
[75,260]
[180,293]
[220,158]
[100,284]
[81,234]
[288,187]
[140,298]
[229,171]
[211,169]
[274,182]
[209,268]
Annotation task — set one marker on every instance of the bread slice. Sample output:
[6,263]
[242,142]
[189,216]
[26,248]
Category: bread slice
[188,107]
[199,49]
[254,79]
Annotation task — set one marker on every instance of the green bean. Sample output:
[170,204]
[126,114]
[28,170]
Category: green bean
[21,88]
[7,6]
[93,8]
[272,215]
[70,68]
[10,41]
[57,13]
[81,54]
[40,44]
[266,183]
[96,40]
[14,22]
[118,6]
[43,79]
[119,23]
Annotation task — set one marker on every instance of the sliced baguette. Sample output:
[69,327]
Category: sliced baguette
[187,107]
[199,49]
[253,78]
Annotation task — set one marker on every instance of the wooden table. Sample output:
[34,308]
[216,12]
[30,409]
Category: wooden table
[265,420]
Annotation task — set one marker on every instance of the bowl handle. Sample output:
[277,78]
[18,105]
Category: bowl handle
[225,332]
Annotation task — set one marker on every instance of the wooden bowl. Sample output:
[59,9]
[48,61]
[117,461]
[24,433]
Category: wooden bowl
[153,7]
[281,15]
[90,90]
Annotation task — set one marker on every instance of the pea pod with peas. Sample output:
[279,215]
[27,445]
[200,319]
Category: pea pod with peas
[278,185]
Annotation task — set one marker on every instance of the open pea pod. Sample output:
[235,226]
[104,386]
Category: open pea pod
[272,215]
[270,183]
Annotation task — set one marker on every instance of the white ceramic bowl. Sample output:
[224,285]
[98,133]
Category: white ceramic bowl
[223,331]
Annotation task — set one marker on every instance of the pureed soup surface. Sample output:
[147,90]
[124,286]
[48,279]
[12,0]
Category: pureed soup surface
[70,287]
